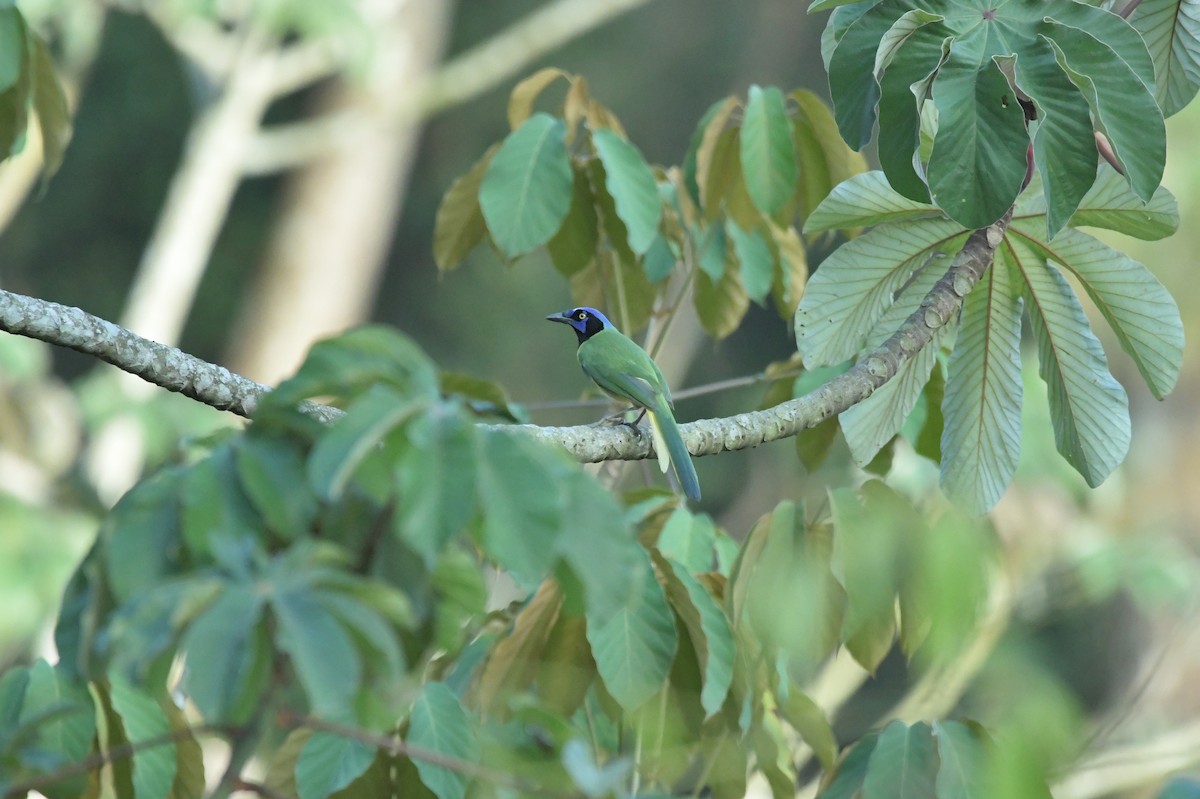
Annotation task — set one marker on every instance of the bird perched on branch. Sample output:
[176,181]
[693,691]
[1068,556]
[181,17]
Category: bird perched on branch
[625,372]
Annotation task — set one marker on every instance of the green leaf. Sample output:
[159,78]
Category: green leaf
[819,147]
[61,714]
[218,520]
[921,39]
[903,765]
[1110,29]
[659,260]
[50,105]
[574,245]
[328,763]
[632,186]
[1140,310]
[13,42]
[978,161]
[853,287]
[707,129]
[851,79]
[522,510]
[526,190]
[221,650]
[459,224]
[141,532]
[851,771]
[1089,409]
[1121,104]
[867,561]
[804,716]
[1171,30]
[373,635]
[721,306]
[153,768]
[1063,146]
[708,628]
[342,448]
[688,539]
[439,724]
[437,481]
[981,440]
[271,471]
[321,651]
[864,200]
[872,423]
[768,155]
[634,648]
[351,363]
[961,756]
[1112,205]
[461,597]
[757,265]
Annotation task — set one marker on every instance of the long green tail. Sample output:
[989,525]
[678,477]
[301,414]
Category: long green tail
[664,424]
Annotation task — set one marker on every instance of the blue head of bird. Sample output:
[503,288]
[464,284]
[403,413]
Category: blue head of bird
[586,322]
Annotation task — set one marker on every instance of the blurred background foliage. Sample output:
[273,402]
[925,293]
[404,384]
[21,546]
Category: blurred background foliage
[1106,580]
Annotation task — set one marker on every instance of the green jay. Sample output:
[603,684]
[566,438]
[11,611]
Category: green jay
[625,372]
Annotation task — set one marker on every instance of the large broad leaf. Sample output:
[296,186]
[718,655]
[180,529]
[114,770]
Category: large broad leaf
[63,719]
[981,439]
[756,263]
[904,764]
[865,200]
[153,767]
[767,153]
[978,160]
[1062,151]
[221,651]
[1112,205]
[870,424]
[574,245]
[522,509]
[708,628]
[322,652]
[459,224]
[847,777]
[438,724]
[50,105]
[826,158]
[272,474]
[1171,30]
[903,91]
[630,183]
[141,532]
[634,648]
[1141,311]
[1089,409]
[854,286]
[437,481]
[526,191]
[1121,104]
[961,757]
[721,304]
[328,763]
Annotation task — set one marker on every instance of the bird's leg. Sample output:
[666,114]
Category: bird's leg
[618,418]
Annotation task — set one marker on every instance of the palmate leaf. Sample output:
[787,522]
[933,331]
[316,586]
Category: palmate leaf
[969,60]
[1171,30]
[864,200]
[981,439]
[634,648]
[1140,310]
[1089,409]
[872,423]
[854,286]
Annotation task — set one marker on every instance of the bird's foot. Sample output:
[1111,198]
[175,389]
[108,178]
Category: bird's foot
[619,419]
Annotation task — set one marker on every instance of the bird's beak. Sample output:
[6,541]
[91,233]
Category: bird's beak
[559,317]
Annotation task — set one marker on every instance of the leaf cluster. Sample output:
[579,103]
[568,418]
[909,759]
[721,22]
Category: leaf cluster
[29,87]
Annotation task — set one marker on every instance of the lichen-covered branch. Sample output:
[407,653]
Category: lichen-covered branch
[215,385]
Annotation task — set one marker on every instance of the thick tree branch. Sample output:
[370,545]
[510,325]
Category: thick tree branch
[215,385]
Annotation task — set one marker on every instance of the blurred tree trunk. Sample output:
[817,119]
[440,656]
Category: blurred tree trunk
[338,215]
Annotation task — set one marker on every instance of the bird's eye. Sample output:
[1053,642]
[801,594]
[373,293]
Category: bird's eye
[581,315]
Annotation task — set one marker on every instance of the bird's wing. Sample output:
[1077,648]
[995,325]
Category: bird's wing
[623,369]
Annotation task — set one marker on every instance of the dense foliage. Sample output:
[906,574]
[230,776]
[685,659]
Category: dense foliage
[421,599]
